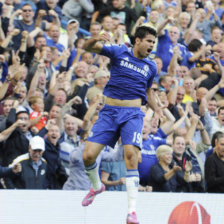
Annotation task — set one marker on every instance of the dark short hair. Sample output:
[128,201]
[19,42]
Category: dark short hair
[163,78]
[216,137]
[56,105]
[26,4]
[61,89]
[175,135]
[39,36]
[213,99]
[142,31]
[220,108]
[194,45]
[9,98]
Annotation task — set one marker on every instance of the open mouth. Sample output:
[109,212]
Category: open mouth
[149,50]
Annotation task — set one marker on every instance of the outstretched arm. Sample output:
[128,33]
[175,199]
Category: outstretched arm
[94,44]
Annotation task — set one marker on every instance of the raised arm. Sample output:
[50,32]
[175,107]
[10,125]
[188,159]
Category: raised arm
[65,109]
[213,91]
[183,117]
[7,132]
[204,133]
[56,19]
[6,41]
[139,22]
[173,63]
[94,44]
[192,28]
[152,101]
[92,111]
[34,82]
[160,30]
[190,133]
[172,95]
[32,35]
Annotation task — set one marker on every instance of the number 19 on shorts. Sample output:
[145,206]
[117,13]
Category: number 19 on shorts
[137,138]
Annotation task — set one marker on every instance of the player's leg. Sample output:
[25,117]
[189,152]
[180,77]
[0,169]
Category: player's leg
[132,180]
[131,137]
[104,132]
[90,154]
[91,151]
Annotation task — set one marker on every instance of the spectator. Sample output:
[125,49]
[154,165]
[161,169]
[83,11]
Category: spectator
[204,24]
[17,144]
[107,25]
[7,105]
[166,177]
[159,65]
[165,83]
[27,23]
[34,167]
[148,153]
[191,8]
[218,123]
[101,78]
[38,118]
[113,172]
[212,106]
[69,36]
[183,22]
[75,10]
[69,140]
[95,28]
[190,93]
[119,10]
[59,98]
[53,38]
[181,155]
[216,36]
[56,175]
[49,12]
[167,41]
[214,168]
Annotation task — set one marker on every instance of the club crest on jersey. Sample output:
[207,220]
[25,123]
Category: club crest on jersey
[133,67]
[146,68]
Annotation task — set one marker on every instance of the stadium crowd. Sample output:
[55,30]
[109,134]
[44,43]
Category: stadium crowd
[51,91]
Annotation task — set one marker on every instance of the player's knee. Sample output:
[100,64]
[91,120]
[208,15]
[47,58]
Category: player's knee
[88,158]
[131,158]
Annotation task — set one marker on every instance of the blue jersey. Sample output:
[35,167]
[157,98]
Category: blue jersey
[165,51]
[51,43]
[130,76]
[148,152]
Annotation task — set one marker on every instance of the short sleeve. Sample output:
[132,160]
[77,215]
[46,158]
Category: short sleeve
[112,50]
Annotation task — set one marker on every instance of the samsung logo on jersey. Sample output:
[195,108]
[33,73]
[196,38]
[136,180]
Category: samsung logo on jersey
[134,68]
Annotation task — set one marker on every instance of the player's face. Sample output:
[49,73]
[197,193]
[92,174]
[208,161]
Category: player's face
[145,45]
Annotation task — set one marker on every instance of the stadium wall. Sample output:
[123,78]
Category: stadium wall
[64,207]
